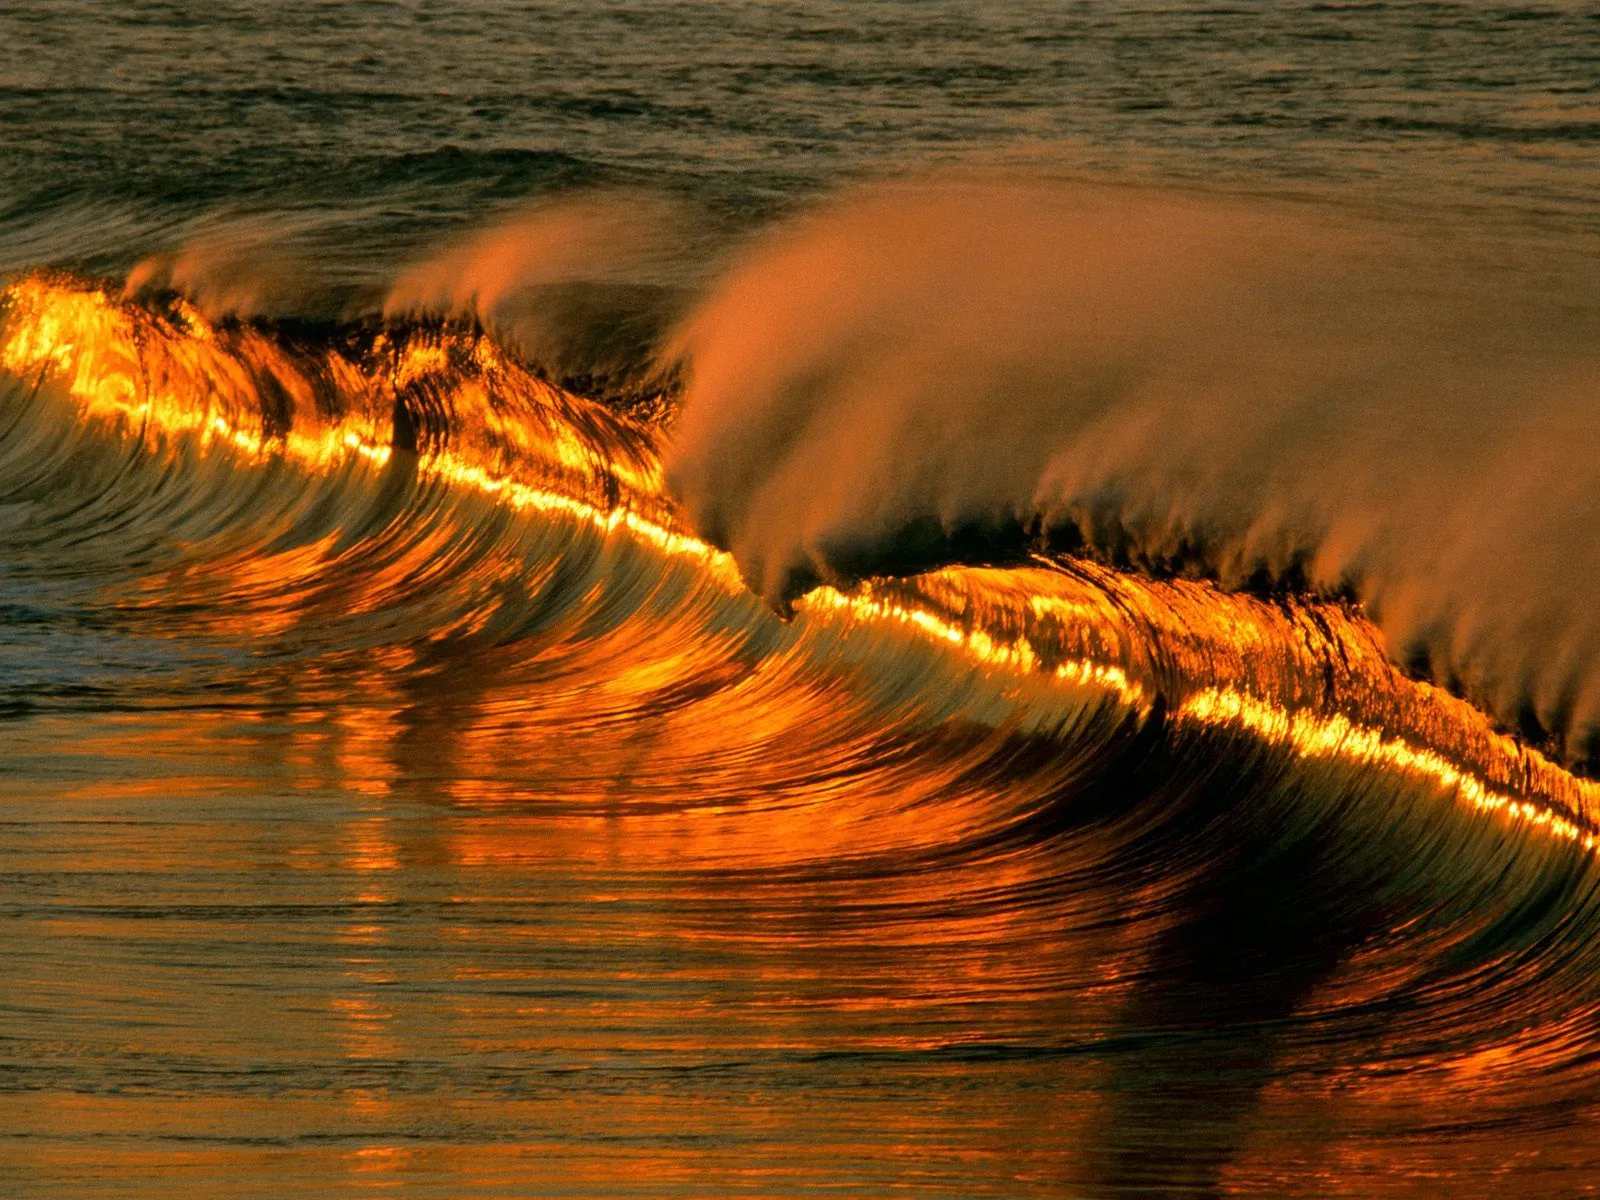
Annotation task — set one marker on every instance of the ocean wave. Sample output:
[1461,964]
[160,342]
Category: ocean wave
[445,406]
[1175,832]
[1268,395]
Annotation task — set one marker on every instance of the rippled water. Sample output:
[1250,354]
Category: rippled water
[397,117]
[399,794]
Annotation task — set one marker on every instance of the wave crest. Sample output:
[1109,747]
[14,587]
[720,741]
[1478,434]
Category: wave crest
[1263,395]
[450,407]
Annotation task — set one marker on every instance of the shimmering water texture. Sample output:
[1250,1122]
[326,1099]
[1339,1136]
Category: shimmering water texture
[400,798]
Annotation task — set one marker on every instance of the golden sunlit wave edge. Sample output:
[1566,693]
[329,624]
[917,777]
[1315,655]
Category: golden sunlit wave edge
[1306,675]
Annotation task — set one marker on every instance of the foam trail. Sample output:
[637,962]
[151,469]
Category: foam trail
[1249,391]
[583,285]
[241,264]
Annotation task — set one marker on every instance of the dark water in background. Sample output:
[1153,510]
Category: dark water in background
[394,120]
[360,831]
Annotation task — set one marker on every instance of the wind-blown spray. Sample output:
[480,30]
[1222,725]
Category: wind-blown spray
[1261,394]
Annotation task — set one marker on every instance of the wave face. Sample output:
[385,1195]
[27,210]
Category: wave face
[468,813]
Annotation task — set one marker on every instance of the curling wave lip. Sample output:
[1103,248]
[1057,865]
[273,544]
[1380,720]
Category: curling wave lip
[1306,675]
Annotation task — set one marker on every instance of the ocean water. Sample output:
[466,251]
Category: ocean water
[719,599]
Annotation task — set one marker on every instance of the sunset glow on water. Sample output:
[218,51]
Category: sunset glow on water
[727,600]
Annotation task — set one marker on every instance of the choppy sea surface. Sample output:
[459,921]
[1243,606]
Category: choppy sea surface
[731,599]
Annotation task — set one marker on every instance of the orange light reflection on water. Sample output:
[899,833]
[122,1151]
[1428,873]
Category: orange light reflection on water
[92,344]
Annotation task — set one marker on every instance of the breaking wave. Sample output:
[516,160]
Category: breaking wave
[1270,395]
[1312,867]
[444,407]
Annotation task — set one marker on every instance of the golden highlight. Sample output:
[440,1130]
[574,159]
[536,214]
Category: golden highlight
[1210,660]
